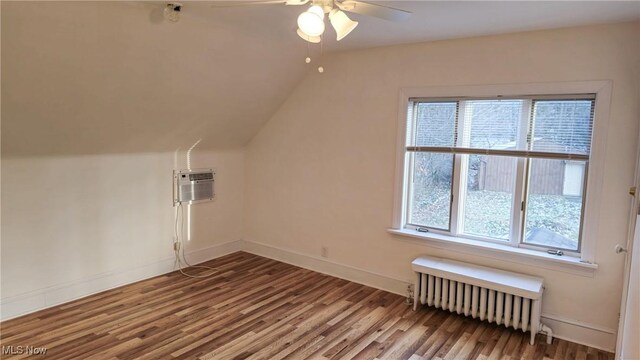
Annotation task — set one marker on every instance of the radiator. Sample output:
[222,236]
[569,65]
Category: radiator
[496,296]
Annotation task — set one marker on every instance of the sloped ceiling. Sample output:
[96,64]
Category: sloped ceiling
[103,77]
[114,77]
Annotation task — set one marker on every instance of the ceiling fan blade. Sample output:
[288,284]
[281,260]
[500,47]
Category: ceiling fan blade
[265,2]
[246,3]
[296,2]
[379,11]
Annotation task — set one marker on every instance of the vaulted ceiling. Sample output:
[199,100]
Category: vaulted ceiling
[114,77]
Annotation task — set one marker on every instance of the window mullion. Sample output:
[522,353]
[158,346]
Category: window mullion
[458,172]
[517,215]
[519,198]
[456,201]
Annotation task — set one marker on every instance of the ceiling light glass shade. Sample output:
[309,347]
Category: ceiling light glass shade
[317,9]
[311,39]
[311,24]
[341,23]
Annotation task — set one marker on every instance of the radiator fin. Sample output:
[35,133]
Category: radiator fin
[492,304]
[452,295]
[475,301]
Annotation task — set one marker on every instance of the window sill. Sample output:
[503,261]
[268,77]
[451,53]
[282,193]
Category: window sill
[567,264]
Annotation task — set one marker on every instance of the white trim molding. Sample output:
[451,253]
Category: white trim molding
[564,328]
[601,89]
[567,264]
[321,265]
[12,307]
[580,332]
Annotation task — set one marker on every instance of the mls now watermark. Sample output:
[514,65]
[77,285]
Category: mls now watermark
[23,350]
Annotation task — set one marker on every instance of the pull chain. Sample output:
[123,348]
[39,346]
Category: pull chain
[321,68]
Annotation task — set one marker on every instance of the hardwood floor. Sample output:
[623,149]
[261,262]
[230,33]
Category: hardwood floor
[257,308]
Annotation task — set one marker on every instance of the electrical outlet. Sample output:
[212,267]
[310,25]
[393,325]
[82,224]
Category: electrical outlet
[324,251]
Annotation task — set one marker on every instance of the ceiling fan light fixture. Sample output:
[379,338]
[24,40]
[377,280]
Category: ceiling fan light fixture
[311,39]
[310,23]
[341,23]
[316,9]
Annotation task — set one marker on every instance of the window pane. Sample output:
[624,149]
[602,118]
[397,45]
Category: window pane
[492,124]
[431,190]
[488,200]
[562,126]
[554,203]
[435,123]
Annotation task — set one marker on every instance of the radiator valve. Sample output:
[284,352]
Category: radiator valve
[409,299]
[547,330]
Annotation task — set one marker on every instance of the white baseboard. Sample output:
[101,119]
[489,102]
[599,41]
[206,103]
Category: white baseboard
[564,328]
[580,332]
[328,267]
[19,305]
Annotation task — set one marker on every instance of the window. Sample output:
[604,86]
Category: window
[509,170]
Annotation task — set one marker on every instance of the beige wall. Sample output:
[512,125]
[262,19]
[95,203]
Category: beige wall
[71,221]
[321,171]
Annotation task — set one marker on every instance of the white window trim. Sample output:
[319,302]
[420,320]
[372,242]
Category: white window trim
[587,260]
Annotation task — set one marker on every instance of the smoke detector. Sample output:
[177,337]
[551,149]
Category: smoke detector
[172,11]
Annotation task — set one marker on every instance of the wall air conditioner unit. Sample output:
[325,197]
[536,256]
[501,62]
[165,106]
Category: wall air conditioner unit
[191,186]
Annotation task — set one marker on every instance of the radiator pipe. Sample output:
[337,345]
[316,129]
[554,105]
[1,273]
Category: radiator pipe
[547,330]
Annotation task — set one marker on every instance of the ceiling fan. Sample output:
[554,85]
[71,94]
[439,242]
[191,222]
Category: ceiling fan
[311,22]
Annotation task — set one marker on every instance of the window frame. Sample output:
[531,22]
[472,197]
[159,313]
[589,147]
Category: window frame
[593,171]
[409,200]
[518,208]
[526,245]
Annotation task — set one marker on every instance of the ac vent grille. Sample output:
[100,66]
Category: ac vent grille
[201,176]
[193,185]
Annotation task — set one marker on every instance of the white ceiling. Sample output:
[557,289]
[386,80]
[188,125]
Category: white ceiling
[102,77]
[438,20]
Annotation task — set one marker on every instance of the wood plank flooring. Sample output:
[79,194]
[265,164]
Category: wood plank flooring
[257,308]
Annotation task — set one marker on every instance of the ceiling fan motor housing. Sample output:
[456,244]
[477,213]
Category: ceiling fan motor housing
[326,5]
